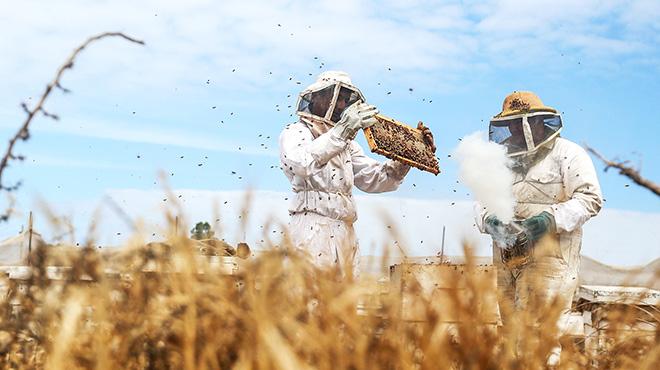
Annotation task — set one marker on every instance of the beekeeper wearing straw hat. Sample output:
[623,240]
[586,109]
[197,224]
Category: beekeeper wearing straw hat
[322,161]
[556,192]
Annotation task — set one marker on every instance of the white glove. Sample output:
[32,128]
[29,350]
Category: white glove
[357,116]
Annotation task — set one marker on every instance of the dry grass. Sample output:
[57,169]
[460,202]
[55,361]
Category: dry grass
[164,307]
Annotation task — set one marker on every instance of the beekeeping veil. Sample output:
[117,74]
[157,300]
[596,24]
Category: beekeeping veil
[525,125]
[325,100]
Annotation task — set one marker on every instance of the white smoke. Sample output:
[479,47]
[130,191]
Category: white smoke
[484,168]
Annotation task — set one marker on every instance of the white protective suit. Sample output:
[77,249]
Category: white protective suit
[322,171]
[563,183]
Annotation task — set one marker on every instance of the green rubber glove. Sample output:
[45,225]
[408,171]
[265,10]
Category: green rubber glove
[539,225]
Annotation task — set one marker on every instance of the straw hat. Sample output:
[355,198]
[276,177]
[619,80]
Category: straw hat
[520,102]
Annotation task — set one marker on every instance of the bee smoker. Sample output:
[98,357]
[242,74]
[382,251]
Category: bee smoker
[518,253]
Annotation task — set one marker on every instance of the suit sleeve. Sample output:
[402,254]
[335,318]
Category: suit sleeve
[303,155]
[581,184]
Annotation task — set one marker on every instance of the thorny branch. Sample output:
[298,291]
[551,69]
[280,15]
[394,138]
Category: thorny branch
[627,171]
[23,133]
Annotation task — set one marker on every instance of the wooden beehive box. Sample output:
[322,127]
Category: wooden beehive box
[398,141]
[441,285]
[603,307]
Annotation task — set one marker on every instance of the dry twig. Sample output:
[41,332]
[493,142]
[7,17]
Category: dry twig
[627,171]
[23,133]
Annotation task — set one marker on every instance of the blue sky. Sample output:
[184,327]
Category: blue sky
[215,82]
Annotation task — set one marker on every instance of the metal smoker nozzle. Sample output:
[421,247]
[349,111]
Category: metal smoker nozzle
[515,226]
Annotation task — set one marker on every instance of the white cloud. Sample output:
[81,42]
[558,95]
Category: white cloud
[641,14]
[194,40]
[156,134]
[68,162]
[143,132]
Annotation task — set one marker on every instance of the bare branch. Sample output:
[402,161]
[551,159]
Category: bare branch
[627,171]
[50,115]
[11,187]
[25,108]
[9,211]
[23,132]
[64,89]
